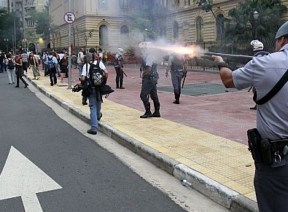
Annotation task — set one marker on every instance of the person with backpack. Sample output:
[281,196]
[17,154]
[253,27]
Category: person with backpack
[10,69]
[51,62]
[96,74]
[19,70]
[118,65]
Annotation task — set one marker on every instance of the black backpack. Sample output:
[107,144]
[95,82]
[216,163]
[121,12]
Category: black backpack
[50,63]
[11,65]
[96,75]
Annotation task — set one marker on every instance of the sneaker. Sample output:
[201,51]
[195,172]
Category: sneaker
[26,86]
[92,132]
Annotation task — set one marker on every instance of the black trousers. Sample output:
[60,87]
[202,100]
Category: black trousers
[149,87]
[271,187]
[119,77]
[19,75]
[53,77]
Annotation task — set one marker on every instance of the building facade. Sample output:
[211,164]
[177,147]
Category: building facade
[23,8]
[98,23]
[109,23]
[3,4]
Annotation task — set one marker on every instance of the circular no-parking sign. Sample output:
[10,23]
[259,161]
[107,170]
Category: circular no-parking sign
[69,17]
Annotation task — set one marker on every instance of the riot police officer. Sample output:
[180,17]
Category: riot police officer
[178,68]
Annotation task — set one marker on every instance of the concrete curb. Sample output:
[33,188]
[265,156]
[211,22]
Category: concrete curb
[217,192]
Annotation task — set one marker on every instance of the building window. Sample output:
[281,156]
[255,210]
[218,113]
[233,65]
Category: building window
[124,29]
[29,2]
[175,30]
[187,2]
[177,2]
[123,4]
[220,27]
[29,23]
[164,3]
[103,4]
[163,31]
[103,35]
[199,24]
[124,35]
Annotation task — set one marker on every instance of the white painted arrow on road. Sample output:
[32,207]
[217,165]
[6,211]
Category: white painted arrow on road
[22,178]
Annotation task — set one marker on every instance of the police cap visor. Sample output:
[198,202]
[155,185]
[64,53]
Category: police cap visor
[282,31]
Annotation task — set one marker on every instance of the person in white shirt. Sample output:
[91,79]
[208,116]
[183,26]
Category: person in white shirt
[80,60]
[95,98]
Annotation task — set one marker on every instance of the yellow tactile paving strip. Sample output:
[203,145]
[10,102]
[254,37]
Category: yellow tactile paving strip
[220,159]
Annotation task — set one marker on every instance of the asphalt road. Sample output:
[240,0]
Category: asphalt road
[42,154]
[49,163]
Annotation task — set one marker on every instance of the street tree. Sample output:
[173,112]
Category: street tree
[42,22]
[254,19]
[146,20]
[10,32]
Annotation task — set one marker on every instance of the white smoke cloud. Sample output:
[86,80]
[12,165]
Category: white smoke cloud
[162,48]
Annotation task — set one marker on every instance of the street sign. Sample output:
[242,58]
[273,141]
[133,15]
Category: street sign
[69,17]
[22,178]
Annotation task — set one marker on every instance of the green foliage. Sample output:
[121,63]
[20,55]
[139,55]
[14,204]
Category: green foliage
[145,21]
[42,20]
[241,27]
[7,29]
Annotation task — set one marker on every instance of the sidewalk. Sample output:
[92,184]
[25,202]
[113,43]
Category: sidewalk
[202,140]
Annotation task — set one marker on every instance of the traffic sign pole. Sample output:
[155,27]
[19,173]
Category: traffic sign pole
[69,58]
[69,18]
[69,50]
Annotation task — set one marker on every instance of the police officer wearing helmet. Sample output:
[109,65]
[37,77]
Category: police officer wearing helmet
[149,82]
[118,65]
[257,52]
[178,66]
[271,164]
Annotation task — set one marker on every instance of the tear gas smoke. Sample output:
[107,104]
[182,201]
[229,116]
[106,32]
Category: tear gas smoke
[160,49]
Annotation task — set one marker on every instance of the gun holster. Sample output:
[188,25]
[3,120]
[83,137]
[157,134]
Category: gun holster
[254,143]
[269,152]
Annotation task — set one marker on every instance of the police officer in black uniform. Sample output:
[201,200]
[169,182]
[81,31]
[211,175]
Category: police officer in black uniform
[149,85]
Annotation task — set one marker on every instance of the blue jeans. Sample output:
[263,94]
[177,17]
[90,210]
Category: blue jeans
[95,110]
[80,67]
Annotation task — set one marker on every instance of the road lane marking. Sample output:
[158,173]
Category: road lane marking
[20,177]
